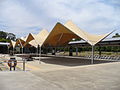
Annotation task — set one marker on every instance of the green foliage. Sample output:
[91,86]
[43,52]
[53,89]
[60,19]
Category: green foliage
[109,48]
[97,48]
[6,37]
[4,40]
[3,34]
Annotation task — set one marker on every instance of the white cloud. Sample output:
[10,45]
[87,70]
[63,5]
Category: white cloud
[23,16]
[17,18]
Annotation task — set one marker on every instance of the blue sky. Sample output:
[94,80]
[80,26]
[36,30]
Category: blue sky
[30,16]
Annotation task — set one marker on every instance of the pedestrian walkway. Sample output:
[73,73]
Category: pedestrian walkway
[88,77]
[51,63]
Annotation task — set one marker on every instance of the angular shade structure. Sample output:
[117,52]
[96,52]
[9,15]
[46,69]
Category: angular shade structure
[21,41]
[37,39]
[62,34]
[92,39]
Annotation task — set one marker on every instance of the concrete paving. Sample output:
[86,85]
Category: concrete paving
[24,81]
[90,77]
[63,74]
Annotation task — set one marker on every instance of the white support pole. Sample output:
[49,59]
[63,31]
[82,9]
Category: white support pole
[21,45]
[40,55]
[55,51]
[92,59]
[46,51]
[76,51]
[37,51]
[22,50]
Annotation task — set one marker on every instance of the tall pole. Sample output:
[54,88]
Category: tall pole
[22,50]
[76,51]
[92,59]
[40,55]
[21,45]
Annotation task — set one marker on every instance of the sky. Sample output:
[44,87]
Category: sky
[22,17]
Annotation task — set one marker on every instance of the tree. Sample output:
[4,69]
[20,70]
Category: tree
[6,37]
[3,34]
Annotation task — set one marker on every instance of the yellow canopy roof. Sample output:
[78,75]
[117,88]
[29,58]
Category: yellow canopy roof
[92,39]
[62,34]
[24,38]
[37,39]
[20,41]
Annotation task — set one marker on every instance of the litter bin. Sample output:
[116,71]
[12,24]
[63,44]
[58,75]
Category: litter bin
[12,63]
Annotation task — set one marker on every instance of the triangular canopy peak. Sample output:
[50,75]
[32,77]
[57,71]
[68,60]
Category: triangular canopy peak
[37,39]
[92,39]
[60,35]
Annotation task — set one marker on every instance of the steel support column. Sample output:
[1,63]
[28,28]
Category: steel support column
[92,59]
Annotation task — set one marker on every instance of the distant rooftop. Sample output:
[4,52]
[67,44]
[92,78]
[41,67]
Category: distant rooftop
[105,40]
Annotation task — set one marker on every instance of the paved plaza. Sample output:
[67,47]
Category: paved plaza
[63,74]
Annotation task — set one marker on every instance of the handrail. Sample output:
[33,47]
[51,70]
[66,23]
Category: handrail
[23,61]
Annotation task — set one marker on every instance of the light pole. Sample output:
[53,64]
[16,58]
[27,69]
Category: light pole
[92,59]
[39,54]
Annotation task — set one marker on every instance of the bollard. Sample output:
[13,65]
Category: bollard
[23,64]
[10,68]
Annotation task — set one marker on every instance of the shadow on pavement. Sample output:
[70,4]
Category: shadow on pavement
[72,61]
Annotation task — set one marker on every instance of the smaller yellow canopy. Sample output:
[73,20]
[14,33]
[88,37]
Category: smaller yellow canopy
[21,41]
[37,39]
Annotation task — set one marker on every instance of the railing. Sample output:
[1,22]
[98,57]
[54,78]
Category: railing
[23,61]
[97,57]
